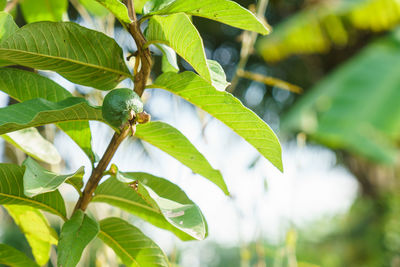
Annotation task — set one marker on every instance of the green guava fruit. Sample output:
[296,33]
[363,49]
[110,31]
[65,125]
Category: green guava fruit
[120,105]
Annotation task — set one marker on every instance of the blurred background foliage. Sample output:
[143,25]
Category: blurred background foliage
[328,74]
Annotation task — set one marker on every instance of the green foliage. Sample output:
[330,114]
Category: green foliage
[130,244]
[75,236]
[90,58]
[36,229]
[347,111]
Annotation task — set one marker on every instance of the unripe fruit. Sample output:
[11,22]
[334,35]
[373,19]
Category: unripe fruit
[121,105]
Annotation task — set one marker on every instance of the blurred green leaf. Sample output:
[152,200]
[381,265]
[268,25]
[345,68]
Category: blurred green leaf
[224,11]
[31,142]
[75,235]
[78,54]
[357,106]
[227,109]
[168,30]
[218,76]
[130,244]
[37,112]
[24,85]
[118,9]
[12,192]
[94,7]
[14,258]
[125,196]
[43,10]
[38,180]
[3,4]
[36,229]
[173,142]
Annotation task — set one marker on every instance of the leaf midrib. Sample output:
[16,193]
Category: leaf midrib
[128,75]
[125,201]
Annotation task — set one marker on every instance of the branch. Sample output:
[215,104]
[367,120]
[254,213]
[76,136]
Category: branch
[140,81]
[10,5]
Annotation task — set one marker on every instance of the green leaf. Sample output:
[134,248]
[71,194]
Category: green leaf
[36,229]
[3,4]
[356,108]
[124,196]
[94,7]
[173,142]
[31,142]
[7,25]
[168,30]
[118,9]
[78,54]
[168,60]
[14,258]
[139,4]
[12,192]
[225,108]
[37,112]
[130,244]
[224,11]
[75,235]
[38,180]
[24,85]
[41,10]
[154,5]
[218,76]
[77,183]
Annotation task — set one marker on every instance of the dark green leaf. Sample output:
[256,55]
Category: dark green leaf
[118,9]
[43,10]
[125,197]
[173,142]
[7,25]
[356,108]
[168,30]
[80,55]
[38,180]
[14,258]
[77,183]
[31,142]
[75,235]
[224,11]
[130,244]
[12,192]
[227,109]
[24,85]
[36,229]
[218,76]
[37,112]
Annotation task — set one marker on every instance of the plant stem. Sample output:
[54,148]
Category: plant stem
[140,81]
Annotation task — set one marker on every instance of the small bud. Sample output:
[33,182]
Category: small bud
[143,117]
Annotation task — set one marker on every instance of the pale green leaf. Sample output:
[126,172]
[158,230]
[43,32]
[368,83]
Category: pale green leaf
[226,108]
[12,192]
[218,76]
[173,142]
[94,7]
[118,9]
[78,54]
[357,107]
[139,4]
[43,10]
[130,244]
[38,180]
[14,258]
[224,11]
[7,25]
[31,142]
[154,5]
[124,196]
[75,235]
[169,30]
[37,112]
[168,60]
[36,229]
[24,85]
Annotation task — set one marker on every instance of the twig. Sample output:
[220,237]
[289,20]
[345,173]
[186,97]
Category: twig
[140,81]
[269,81]
[10,5]
[249,38]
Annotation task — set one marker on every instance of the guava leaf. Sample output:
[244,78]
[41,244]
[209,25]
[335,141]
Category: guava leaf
[14,258]
[43,10]
[118,9]
[218,75]
[130,244]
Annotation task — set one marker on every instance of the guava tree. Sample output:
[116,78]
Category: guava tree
[90,58]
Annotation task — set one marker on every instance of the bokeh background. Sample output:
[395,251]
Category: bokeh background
[327,80]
